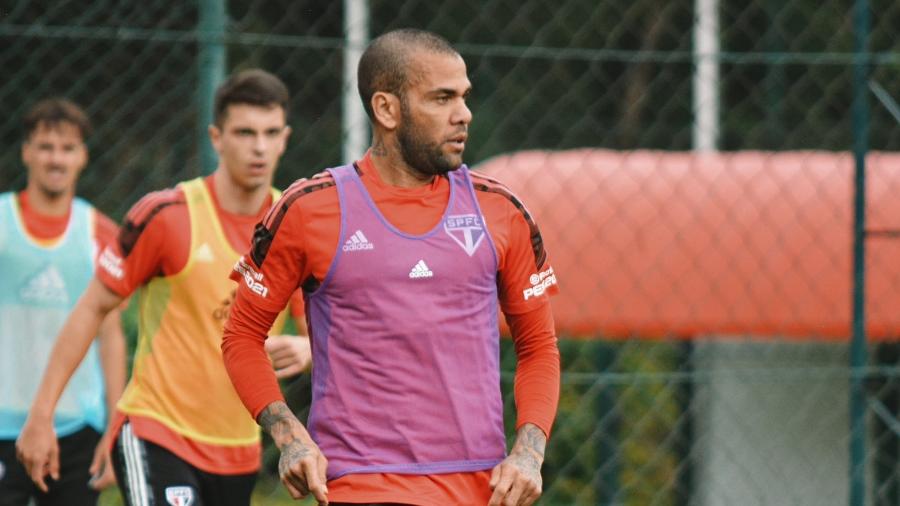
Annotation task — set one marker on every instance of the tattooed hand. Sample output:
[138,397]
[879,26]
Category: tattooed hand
[301,466]
[517,480]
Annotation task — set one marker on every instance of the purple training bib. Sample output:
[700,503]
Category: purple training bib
[406,375]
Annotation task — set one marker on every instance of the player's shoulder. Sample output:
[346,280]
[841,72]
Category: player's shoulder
[490,185]
[494,194]
[308,186]
[105,229]
[153,203]
[153,209]
[302,192]
[103,223]
[498,201]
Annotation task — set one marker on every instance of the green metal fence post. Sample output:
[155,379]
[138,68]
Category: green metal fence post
[775,80]
[211,70]
[858,344]
[607,480]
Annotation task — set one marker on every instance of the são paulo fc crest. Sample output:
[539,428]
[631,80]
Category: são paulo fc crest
[467,230]
[180,496]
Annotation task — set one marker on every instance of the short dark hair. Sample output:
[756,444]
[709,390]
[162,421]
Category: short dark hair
[253,87]
[384,65]
[51,112]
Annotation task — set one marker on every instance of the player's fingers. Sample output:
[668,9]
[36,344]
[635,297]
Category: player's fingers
[37,473]
[282,362]
[98,461]
[323,475]
[531,489]
[301,478]
[295,478]
[297,350]
[530,496]
[102,474]
[515,492]
[496,498]
[495,476]
[286,372]
[279,352]
[53,461]
[502,487]
[105,478]
[295,358]
[41,484]
[277,343]
[314,480]
[292,490]
[278,363]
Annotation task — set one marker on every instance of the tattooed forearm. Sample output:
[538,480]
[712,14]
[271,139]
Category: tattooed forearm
[528,451]
[532,438]
[301,465]
[274,414]
[278,420]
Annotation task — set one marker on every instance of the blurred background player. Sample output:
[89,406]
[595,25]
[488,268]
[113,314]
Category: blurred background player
[49,240]
[183,436]
[402,257]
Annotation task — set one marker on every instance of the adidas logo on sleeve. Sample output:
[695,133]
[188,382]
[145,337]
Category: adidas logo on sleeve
[420,270]
[357,242]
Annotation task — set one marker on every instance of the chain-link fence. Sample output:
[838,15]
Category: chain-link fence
[692,164]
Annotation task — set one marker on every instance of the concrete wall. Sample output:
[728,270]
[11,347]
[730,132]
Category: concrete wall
[771,423]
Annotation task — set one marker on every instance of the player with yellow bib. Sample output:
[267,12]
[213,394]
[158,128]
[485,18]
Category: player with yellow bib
[182,434]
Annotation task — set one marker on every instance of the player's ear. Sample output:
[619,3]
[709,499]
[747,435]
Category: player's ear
[26,152]
[283,139]
[386,109]
[215,137]
[84,156]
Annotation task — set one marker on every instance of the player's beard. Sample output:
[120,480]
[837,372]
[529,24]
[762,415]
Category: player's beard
[51,192]
[419,154]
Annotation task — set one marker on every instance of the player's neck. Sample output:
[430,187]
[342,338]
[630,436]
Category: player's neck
[47,204]
[235,199]
[392,168]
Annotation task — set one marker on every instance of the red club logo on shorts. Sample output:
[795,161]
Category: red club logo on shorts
[180,496]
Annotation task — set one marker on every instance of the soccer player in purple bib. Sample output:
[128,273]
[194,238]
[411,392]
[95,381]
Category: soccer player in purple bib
[402,258]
